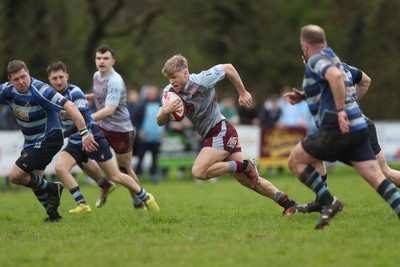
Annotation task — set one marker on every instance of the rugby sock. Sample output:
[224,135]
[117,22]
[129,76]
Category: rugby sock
[77,195]
[283,200]
[324,178]
[389,192]
[41,195]
[312,179]
[136,201]
[103,183]
[142,195]
[37,182]
[237,166]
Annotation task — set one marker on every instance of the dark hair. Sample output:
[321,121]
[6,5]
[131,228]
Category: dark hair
[15,66]
[57,66]
[105,48]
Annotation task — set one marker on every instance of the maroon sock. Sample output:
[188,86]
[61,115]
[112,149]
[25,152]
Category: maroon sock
[239,166]
[104,184]
[285,201]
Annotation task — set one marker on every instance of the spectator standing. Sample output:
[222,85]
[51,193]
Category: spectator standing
[293,116]
[149,133]
[133,102]
[249,116]
[228,108]
[270,112]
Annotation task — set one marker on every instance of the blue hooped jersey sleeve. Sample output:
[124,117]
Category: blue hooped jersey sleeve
[76,95]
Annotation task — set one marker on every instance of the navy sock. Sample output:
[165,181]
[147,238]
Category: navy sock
[41,195]
[324,178]
[37,182]
[142,195]
[77,195]
[283,200]
[389,192]
[312,179]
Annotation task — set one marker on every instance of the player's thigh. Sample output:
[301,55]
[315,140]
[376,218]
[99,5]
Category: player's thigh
[92,169]
[65,162]
[124,159]
[300,156]
[207,157]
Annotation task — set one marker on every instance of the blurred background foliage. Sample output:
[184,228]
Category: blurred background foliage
[259,37]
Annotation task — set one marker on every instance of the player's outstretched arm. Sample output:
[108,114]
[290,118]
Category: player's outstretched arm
[245,98]
[295,96]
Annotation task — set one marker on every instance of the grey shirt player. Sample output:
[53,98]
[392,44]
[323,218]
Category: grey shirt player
[200,99]
[110,90]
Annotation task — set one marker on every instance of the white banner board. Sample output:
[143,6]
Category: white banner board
[249,137]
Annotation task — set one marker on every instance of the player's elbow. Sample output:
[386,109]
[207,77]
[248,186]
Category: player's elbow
[228,68]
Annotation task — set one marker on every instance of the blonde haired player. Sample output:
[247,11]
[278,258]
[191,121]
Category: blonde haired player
[221,152]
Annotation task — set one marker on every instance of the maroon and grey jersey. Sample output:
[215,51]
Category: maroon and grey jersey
[200,98]
[110,90]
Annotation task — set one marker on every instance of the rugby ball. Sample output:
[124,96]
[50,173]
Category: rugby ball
[171,97]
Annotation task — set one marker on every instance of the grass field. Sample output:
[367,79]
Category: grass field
[209,224]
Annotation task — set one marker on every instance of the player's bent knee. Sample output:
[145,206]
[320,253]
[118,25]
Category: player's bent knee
[198,175]
[291,164]
[13,179]
[59,169]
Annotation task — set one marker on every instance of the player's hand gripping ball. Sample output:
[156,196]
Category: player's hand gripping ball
[179,114]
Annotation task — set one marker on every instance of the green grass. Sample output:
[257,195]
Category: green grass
[209,224]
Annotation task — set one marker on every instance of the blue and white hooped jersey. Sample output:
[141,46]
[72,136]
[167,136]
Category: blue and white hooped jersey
[319,96]
[356,76]
[36,110]
[76,96]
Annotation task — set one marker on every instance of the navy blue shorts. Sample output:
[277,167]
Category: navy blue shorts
[332,145]
[102,154]
[38,158]
[373,137]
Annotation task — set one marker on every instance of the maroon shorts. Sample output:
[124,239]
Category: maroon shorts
[223,136]
[120,142]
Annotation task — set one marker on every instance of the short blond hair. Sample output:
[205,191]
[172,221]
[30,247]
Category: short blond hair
[175,64]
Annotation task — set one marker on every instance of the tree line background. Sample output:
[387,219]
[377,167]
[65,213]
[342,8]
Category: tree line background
[259,37]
